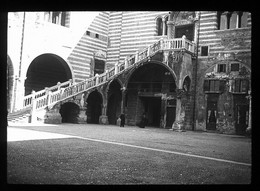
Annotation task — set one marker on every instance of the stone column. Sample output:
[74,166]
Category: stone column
[170,32]
[180,113]
[123,89]
[103,119]
[82,117]
[164,27]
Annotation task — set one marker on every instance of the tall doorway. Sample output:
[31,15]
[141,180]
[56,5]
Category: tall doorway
[152,108]
[241,113]
[212,109]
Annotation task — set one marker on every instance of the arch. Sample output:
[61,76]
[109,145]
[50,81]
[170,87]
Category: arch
[154,62]
[10,83]
[186,83]
[94,107]
[45,71]
[159,26]
[145,86]
[114,100]
[69,112]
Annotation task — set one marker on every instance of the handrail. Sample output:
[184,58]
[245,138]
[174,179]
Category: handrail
[61,91]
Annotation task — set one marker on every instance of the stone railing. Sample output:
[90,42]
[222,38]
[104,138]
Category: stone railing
[61,91]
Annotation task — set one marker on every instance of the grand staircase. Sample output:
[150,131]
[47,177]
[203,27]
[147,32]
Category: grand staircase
[50,96]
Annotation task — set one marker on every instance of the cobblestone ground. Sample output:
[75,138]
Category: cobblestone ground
[99,154]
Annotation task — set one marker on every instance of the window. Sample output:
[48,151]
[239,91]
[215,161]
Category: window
[240,85]
[97,35]
[56,17]
[221,68]
[234,67]
[231,20]
[99,66]
[159,26]
[204,50]
[88,33]
[214,86]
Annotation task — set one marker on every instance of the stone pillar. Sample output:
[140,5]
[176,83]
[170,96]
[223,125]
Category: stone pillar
[53,116]
[164,27]
[116,68]
[123,99]
[82,117]
[178,124]
[170,24]
[103,119]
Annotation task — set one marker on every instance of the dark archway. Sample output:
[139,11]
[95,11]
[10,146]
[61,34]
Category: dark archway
[45,71]
[144,90]
[94,107]
[114,102]
[186,84]
[10,83]
[69,112]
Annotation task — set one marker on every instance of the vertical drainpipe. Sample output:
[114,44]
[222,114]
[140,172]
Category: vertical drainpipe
[195,77]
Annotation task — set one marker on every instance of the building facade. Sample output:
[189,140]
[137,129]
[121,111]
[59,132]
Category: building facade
[204,89]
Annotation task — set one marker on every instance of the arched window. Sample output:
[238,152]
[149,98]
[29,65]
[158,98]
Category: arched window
[223,21]
[233,21]
[159,26]
[244,19]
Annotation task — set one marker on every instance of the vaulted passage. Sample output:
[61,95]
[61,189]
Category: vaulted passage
[144,94]
[69,112]
[94,106]
[45,71]
[114,102]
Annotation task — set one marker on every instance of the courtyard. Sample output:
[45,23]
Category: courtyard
[107,154]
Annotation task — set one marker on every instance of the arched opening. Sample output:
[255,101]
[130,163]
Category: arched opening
[69,112]
[114,102]
[10,83]
[186,84]
[94,107]
[144,93]
[159,26]
[45,71]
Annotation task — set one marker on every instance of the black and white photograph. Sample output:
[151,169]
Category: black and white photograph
[129,97]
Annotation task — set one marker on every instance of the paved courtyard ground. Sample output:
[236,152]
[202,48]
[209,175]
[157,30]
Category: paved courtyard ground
[100,154]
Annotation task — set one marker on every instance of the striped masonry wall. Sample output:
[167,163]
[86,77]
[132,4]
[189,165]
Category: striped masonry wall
[129,32]
[82,55]
[209,35]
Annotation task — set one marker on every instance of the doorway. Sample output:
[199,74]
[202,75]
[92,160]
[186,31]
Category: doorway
[212,109]
[241,119]
[187,30]
[152,108]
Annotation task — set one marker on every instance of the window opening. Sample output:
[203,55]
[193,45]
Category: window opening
[234,67]
[221,67]
[159,25]
[204,50]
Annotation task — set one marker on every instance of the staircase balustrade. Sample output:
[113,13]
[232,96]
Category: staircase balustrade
[65,90]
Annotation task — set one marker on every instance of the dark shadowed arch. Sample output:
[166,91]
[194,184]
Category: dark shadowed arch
[69,112]
[45,71]
[94,107]
[114,101]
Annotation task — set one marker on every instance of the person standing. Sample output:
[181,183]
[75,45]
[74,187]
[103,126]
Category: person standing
[122,117]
